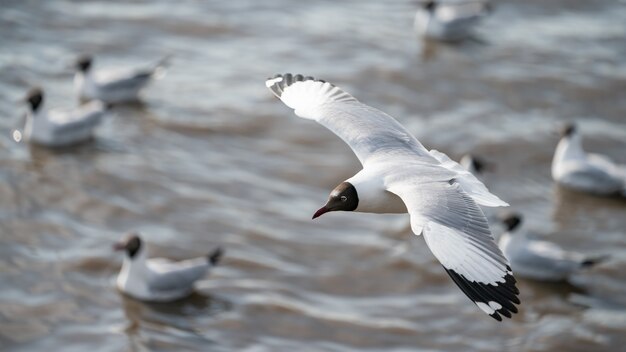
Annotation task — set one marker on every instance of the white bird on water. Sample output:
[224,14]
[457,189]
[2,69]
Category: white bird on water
[537,259]
[400,175]
[56,128]
[449,21]
[158,279]
[113,86]
[573,168]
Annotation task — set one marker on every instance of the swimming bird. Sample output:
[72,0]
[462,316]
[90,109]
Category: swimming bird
[113,86]
[573,168]
[538,259]
[447,21]
[159,279]
[399,175]
[56,128]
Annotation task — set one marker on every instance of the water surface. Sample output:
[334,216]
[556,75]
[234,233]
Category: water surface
[212,158]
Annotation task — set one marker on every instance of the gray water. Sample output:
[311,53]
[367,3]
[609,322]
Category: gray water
[212,158]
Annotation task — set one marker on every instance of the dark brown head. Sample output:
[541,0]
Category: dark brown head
[343,197]
[512,221]
[131,243]
[430,5]
[34,98]
[83,63]
[568,130]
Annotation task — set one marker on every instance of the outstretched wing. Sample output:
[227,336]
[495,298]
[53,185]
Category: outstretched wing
[369,132]
[457,233]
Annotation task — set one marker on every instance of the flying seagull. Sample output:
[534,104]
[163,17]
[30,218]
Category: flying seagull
[399,175]
[158,279]
[537,259]
[115,85]
[58,128]
[573,168]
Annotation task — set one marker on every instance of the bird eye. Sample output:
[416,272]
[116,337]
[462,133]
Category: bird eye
[344,198]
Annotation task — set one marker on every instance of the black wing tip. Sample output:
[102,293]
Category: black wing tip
[279,82]
[215,256]
[495,300]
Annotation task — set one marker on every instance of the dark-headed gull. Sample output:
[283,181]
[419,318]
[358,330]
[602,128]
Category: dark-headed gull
[537,259]
[113,86]
[449,21]
[400,175]
[56,128]
[159,279]
[573,168]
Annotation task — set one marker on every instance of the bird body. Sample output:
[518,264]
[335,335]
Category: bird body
[159,279]
[114,85]
[400,175]
[541,260]
[573,168]
[56,128]
[449,21]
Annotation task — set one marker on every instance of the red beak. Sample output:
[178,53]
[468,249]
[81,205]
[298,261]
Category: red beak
[320,212]
[119,246]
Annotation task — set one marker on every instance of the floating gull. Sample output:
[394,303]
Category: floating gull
[159,279]
[113,86]
[449,21]
[592,173]
[538,259]
[56,128]
[400,175]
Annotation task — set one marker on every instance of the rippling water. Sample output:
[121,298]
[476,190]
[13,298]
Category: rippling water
[212,158]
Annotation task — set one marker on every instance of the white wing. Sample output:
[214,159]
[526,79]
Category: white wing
[457,233]
[464,11]
[173,276]
[469,182]
[84,115]
[369,132]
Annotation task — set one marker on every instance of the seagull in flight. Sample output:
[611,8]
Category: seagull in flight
[113,86]
[447,21]
[158,279]
[58,128]
[573,168]
[537,259]
[399,175]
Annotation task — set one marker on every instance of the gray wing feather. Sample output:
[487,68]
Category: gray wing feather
[178,275]
[369,132]
[134,81]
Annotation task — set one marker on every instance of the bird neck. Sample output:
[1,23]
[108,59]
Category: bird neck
[569,148]
[137,264]
[373,195]
[33,115]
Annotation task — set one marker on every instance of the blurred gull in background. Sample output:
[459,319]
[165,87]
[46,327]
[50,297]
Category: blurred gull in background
[159,279]
[573,168]
[400,175]
[474,164]
[538,259]
[56,128]
[118,85]
[448,21]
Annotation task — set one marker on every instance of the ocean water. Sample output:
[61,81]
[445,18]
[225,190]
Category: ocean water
[211,158]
